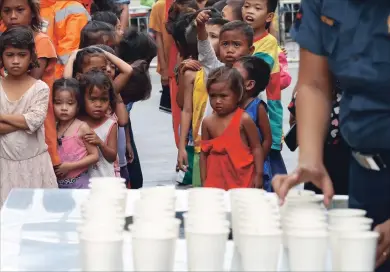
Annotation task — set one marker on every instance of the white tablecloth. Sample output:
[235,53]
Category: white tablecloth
[39,230]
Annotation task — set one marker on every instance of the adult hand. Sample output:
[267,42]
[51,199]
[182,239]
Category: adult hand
[317,174]
[383,249]
[257,182]
[182,160]
[164,77]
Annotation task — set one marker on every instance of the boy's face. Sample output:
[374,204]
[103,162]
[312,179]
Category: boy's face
[213,33]
[255,13]
[232,46]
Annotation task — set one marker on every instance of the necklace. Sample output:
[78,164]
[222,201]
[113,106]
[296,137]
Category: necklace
[59,139]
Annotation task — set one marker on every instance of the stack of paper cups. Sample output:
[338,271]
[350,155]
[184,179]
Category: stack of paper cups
[206,229]
[305,232]
[343,222]
[101,233]
[256,230]
[155,230]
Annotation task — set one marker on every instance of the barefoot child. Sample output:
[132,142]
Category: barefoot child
[232,156]
[24,160]
[76,154]
[256,73]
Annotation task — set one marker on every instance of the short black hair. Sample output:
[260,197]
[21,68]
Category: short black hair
[68,84]
[21,37]
[93,31]
[137,46]
[106,16]
[240,26]
[106,48]
[220,5]
[217,21]
[105,5]
[258,70]
[229,75]
[210,3]
[272,5]
[95,78]
[236,8]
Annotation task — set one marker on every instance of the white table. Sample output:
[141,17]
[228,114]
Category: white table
[39,230]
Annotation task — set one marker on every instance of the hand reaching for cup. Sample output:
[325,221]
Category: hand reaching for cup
[316,173]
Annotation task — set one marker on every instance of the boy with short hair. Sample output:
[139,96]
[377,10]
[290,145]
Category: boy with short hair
[259,14]
[193,86]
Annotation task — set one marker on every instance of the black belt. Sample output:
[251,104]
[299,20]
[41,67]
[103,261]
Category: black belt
[376,161]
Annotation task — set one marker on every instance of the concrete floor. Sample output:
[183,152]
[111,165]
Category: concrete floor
[154,135]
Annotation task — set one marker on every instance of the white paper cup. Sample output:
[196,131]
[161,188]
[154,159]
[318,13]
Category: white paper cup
[206,252]
[101,255]
[206,190]
[307,250]
[346,221]
[358,251]
[335,214]
[158,191]
[153,254]
[168,228]
[260,252]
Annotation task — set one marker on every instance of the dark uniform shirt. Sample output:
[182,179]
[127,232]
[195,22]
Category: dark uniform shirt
[354,35]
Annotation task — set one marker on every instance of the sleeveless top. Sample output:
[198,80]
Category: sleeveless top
[73,149]
[252,109]
[230,162]
[199,102]
[103,168]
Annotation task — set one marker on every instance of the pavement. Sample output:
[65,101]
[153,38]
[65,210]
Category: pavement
[155,141]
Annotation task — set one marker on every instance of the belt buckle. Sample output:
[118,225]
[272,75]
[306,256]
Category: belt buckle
[371,162]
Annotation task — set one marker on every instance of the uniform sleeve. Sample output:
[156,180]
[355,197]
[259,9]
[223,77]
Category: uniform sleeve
[36,114]
[307,28]
[156,17]
[44,47]
[76,18]
[207,56]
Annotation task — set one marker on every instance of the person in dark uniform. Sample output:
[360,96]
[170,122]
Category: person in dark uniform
[350,39]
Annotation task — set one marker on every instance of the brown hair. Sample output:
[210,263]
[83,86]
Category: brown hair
[230,76]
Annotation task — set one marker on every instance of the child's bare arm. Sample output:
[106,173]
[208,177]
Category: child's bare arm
[265,128]
[68,70]
[125,71]
[203,155]
[7,128]
[121,112]
[186,117]
[37,72]
[161,58]
[109,149]
[253,137]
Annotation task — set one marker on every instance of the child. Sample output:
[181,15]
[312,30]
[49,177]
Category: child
[26,13]
[24,160]
[137,49]
[259,15]
[164,42]
[232,156]
[195,100]
[111,19]
[232,10]
[98,97]
[96,32]
[256,73]
[76,154]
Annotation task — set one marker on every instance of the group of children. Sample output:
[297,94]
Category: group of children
[88,106]
[228,133]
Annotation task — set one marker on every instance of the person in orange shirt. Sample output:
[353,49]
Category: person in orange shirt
[164,42]
[26,12]
[231,153]
[62,22]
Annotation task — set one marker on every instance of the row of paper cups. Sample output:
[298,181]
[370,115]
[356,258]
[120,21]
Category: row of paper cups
[102,228]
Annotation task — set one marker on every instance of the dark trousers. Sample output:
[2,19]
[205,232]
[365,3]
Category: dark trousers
[165,100]
[370,190]
[336,161]
[134,168]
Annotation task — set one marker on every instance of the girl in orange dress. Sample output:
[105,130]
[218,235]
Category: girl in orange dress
[231,156]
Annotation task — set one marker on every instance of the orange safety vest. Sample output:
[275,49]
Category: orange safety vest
[63,22]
